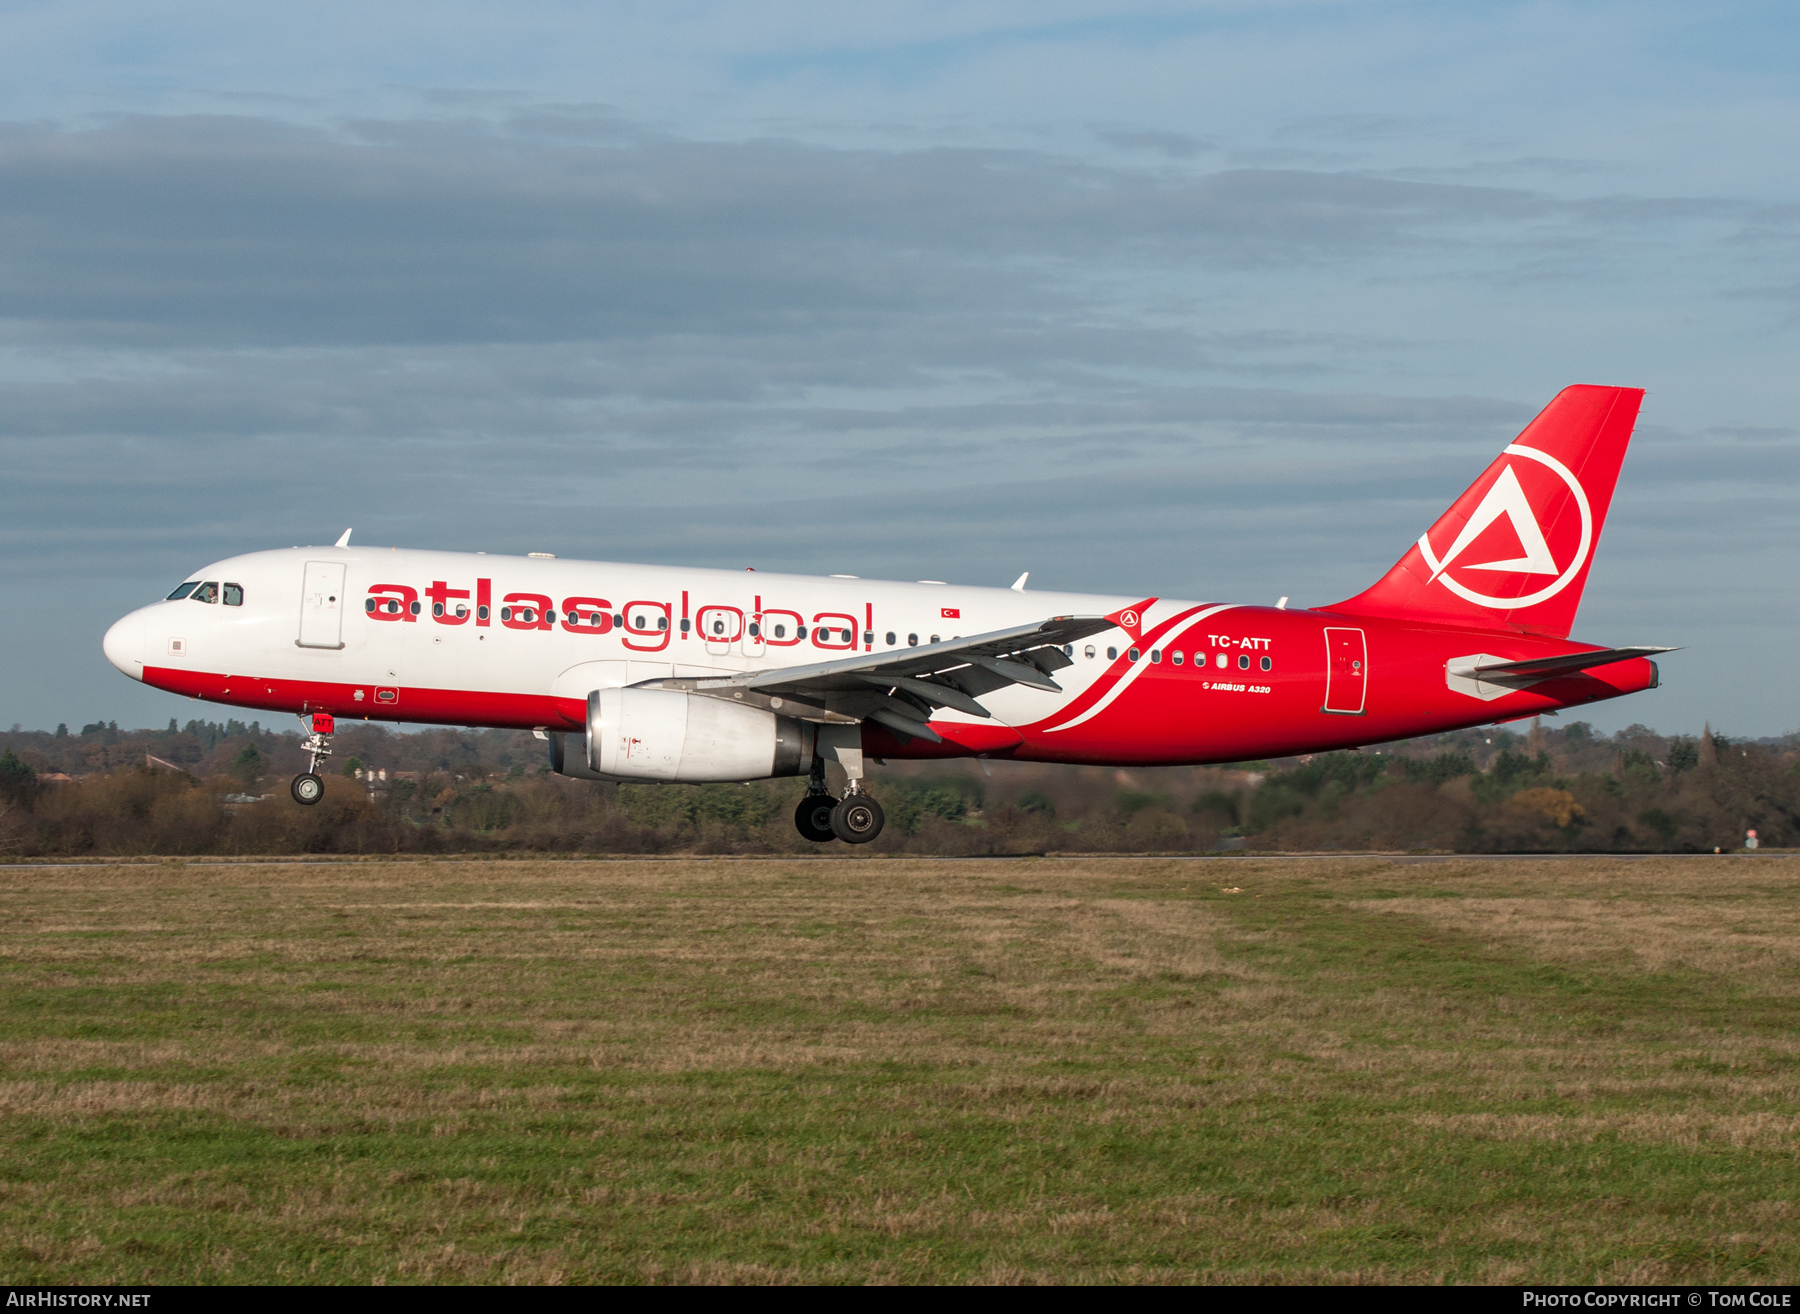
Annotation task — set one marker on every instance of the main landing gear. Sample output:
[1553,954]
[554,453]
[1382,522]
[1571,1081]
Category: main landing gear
[308,787]
[858,819]
[812,818]
[855,819]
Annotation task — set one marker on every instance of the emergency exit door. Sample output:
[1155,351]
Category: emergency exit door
[1346,671]
[720,627]
[322,605]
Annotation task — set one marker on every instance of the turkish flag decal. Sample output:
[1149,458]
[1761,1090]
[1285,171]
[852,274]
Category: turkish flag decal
[952,613]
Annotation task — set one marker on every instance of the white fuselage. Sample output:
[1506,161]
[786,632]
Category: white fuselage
[468,638]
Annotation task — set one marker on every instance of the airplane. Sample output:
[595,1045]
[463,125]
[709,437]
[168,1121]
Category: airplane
[661,673]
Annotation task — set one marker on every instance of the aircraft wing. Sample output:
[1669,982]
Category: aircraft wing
[1539,668]
[901,688]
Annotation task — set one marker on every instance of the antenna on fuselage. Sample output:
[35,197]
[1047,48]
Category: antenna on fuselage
[344,541]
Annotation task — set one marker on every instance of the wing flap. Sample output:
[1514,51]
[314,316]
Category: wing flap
[932,659]
[900,689]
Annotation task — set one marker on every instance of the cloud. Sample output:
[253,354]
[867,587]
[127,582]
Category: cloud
[527,326]
[1174,145]
[1348,128]
[570,224]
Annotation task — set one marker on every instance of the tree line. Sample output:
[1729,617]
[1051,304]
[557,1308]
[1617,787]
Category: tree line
[221,788]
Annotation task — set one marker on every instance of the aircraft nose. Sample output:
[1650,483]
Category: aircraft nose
[124,645]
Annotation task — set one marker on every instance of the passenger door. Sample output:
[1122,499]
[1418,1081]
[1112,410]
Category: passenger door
[322,605]
[1346,671]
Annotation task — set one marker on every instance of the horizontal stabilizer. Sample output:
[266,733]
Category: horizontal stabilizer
[1538,668]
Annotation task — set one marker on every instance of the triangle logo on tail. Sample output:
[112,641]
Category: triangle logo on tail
[1504,498]
[1509,497]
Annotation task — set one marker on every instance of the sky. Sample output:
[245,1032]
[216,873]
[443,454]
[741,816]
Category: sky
[1216,301]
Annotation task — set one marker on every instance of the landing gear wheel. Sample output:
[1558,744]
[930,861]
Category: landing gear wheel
[308,789]
[812,818]
[857,820]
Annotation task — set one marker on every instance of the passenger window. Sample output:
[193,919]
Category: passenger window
[912,641]
[1267,664]
[1090,652]
[890,638]
[369,605]
[506,613]
[934,638]
[781,631]
[183,591]
[1156,654]
[1223,661]
[234,595]
[414,608]
[662,622]
[1068,650]
[207,592]
[1112,654]
[1133,654]
[755,630]
[1243,662]
[481,613]
[1176,657]
[437,609]
[800,631]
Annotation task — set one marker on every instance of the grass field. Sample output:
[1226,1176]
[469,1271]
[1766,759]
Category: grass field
[1095,1070]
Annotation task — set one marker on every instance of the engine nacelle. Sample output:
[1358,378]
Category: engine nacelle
[662,734]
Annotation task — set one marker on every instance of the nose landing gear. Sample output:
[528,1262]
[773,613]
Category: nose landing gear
[308,787]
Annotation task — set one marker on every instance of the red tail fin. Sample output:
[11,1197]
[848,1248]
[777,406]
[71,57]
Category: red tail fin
[1514,550]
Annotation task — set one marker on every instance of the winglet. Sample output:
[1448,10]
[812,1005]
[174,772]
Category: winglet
[344,541]
[1131,619]
[1018,585]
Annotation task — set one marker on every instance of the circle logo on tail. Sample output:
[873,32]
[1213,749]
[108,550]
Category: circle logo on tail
[1521,499]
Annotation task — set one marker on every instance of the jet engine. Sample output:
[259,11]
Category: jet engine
[662,734]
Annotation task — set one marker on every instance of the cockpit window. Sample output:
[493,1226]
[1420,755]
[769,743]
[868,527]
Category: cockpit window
[182,591]
[207,592]
[234,595]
